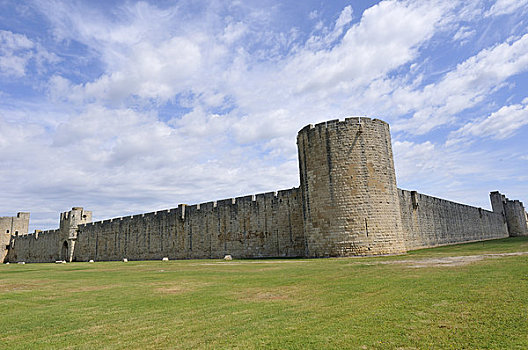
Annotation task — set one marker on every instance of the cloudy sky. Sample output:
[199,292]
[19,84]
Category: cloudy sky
[126,107]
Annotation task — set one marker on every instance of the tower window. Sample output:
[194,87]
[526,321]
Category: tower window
[7,231]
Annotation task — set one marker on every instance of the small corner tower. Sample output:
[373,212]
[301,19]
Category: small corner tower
[11,226]
[513,212]
[348,184]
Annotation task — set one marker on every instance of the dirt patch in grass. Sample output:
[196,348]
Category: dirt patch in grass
[447,261]
[270,296]
[174,289]
[16,287]
[21,287]
[262,294]
[178,288]
[88,289]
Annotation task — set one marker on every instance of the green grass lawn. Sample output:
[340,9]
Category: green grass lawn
[422,300]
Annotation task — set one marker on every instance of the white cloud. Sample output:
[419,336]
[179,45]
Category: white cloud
[146,60]
[463,34]
[467,11]
[345,17]
[234,31]
[59,87]
[303,84]
[242,89]
[274,123]
[320,80]
[12,42]
[388,36]
[116,161]
[313,14]
[466,86]
[410,157]
[17,51]
[428,164]
[331,35]
[455,172]
[505,7]
[157,72]
[145,55]
[500,124]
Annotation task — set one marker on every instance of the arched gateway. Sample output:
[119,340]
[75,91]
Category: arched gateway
[64,251]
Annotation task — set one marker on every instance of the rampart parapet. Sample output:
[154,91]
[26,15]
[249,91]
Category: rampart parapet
[347,204]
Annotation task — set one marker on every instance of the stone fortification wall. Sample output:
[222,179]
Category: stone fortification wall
[516,218]
[12,225]
[15,225]
[348,183]
[429,221]
[51,245]
[347,204]
[513,211]
[43,246]
[263,225]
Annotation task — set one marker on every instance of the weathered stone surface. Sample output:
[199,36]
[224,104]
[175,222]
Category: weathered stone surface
[347,204]
[12,226]
[513,212]
[263,225]
[430,222]
[51,245]
[348,183]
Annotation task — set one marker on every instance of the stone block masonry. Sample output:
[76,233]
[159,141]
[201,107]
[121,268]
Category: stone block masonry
[430,222]
[350,199]
[347,204]
[12,226]
[513,212]
[263,225]
[51,245]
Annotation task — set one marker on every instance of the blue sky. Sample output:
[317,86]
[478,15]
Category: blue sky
[126,107]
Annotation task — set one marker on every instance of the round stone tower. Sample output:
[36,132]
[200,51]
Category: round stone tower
[349,193]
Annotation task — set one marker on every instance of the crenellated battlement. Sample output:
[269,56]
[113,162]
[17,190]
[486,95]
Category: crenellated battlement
[358,122]
[347,204]
[513,212]
[206,206]
[38,233]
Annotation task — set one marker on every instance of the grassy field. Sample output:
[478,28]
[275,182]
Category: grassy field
[471,296]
